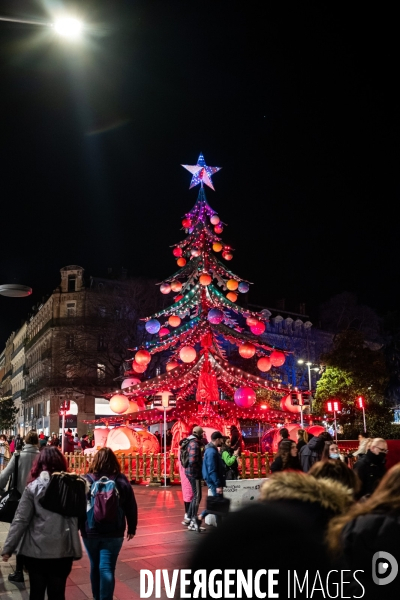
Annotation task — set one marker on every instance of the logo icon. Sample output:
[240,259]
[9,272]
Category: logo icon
[384,563]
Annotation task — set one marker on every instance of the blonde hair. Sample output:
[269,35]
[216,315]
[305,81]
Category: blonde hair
[302,433]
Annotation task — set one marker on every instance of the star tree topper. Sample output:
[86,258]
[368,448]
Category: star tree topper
[201,173]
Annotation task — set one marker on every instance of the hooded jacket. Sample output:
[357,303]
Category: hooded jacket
[311,453]
[370,468]
[193,470]
[40,533]
[314,501]
[27,457]
[213,467]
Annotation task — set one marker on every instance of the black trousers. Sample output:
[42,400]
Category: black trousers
[48,574]
[195,503]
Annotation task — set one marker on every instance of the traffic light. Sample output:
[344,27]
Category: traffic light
[306,400]
[360,402]
[295,398]
[333,406]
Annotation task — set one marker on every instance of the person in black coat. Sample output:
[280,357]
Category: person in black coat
[371,467]
[369,528]
[312,452]
[286,458]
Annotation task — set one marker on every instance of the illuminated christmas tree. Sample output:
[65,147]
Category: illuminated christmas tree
[202,319]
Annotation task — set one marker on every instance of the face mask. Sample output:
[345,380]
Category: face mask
[334,456]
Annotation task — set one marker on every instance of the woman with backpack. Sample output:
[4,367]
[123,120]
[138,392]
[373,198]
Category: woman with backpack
[46,541]
[112,507]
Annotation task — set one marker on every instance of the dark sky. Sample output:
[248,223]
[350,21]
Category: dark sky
[297,102]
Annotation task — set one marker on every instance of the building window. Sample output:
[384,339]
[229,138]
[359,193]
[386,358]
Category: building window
[101,372]
[71,283]
[100,343]
[69,341]
[71,309]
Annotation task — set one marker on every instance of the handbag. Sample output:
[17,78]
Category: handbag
[218,505]
[65,495]
[9,500]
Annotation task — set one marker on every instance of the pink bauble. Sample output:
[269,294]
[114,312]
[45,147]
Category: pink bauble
[277,358]
[119,403]
[142,357]
[215,220]
[257,328]
[195,252]
[264,364]
[177,252]
[247,350]
[245,397]
[250,321]
[163,331]
[165,288]
[129,382]
[187,354]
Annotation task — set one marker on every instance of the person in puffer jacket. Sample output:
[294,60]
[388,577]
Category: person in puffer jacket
[48,542]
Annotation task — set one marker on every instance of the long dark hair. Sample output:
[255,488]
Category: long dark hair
[105,461]
[50,459]
[284,452]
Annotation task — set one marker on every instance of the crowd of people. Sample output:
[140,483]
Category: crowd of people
[46,542]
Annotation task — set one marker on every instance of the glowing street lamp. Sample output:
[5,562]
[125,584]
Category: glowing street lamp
[360,403]
[333,406]
[67,27]
[14,290]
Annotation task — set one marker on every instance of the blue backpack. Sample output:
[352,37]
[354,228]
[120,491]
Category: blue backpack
[104,514]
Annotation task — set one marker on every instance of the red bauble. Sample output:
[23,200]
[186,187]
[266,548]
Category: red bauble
[205,279]
[138,368]
[119,403]
[163,331]
[218,229]
[142,357]
[264,364]
[187,354]
[174,321]
[181,262]
[177,252]
[227,255]
[277,358]
[172,365]
[195,252]
[186,223]
[247,350]
[177,298]
[257,328]
[176,286]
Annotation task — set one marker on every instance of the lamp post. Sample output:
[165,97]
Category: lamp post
[361,404]
[333,406]
[164,402]
[310,368]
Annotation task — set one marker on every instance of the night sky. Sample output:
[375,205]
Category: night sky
[297,102]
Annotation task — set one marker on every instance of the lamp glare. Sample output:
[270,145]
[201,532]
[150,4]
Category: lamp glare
[68,27]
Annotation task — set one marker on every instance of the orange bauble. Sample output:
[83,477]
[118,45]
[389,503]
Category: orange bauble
[187,354]
[139,368]
[172,365]
[205,279]
[231,296]
[142,357]
[232,285]
[174,321]
[176,286]
[264,364]
[277,358]
[247,350]
[119,403]
[217,247]
[181,262]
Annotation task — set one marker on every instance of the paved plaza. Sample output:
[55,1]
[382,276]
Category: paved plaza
[161,542]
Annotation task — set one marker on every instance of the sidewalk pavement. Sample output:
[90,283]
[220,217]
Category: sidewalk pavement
[161,542]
